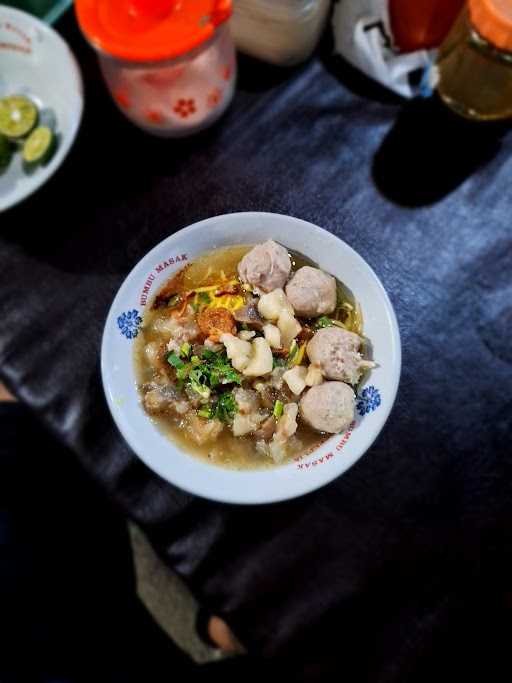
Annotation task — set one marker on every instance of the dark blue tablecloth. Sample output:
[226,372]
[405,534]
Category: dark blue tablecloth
[398,570]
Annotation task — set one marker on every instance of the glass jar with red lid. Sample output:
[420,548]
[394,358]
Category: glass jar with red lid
[169,64]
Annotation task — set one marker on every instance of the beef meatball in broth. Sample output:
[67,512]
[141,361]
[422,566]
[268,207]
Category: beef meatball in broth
[267,266]
[312,292]
[328,407]
[336,352]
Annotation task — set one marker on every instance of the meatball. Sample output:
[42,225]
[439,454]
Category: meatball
[336,352]
[267,266]
[312,292]
[328,407]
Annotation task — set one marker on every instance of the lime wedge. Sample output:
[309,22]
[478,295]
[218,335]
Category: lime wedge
[38,146]
[5,152]
[18,115]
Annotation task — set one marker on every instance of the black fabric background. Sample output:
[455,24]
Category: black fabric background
[398,570]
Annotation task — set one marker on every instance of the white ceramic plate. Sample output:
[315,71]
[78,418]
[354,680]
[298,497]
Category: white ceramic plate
[35,61]
[259,486]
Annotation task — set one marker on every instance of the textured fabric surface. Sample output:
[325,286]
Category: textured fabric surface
[69,608]
[396,571]
[67,587]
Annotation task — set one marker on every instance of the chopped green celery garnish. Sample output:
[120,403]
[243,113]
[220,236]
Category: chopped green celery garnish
[201,389]
[225,407]
[182,373]
[229,375]
[197,381]
[219,369]
[207,372]
[278,409]
[185,349]
[174,360]
[294,350]
[324,321]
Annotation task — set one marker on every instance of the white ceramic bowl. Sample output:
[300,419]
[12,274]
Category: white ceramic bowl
[35,61]
[259,486]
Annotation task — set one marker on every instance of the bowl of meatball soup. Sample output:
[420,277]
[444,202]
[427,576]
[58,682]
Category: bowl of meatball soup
[251,358]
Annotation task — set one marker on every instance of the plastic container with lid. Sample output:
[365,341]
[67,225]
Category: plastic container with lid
[422,24]
[169,64]
[282,32]
[474,66]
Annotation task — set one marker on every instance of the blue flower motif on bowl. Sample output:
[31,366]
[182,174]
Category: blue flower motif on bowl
[369,399]
[129,323]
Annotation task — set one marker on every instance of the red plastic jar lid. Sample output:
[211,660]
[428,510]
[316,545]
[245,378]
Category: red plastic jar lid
[150,30]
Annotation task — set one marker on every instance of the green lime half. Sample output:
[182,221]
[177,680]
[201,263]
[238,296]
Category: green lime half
[18,115]
[5,152]
[38,146]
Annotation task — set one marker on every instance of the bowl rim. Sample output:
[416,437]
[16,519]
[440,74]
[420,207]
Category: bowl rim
[65,145]
[252,497]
